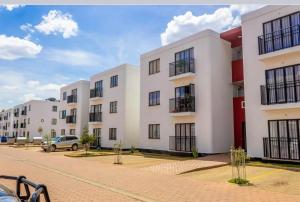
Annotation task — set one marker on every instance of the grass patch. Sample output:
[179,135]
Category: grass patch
[161,156]
[92,153]
[239,181]
[286,166]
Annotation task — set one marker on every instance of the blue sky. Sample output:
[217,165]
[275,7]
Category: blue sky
[79,41]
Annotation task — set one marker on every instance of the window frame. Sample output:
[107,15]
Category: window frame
[113,107]
[154,131]
[112,134]
[154,66]
[155,100]
[114,81]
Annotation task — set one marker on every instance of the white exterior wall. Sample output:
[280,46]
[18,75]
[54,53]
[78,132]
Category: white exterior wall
[213,94]
[82,106]
[257,115]
[8,122]
[126,120]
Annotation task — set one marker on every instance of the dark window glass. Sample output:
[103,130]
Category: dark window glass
[114,81]
[154,66]
[154,98]
[112,134]
[154,131]
[113,107]
[64,95]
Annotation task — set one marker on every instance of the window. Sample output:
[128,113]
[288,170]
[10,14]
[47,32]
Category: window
[54,121]
[113,107]
[154,131]
[28,121]
[63,132]
[54,108]
[98,84]
[64,95]
[29,108]
[62,114]
[114,81]
[112,134]
[184,129]
[154,66]
[154,98]
[72,131]
[95,108]
[53,133]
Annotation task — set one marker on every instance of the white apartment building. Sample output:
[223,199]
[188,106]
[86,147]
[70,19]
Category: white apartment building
[114,106]
[24,120]
[186,96]
[271,40]
[6,122]
[73,111]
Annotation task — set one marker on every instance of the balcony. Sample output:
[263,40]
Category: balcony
[24,112]
[279,40]
[182,143]
[185,105]
[95,117]
[72,99]
[23,125]
[282,148]
[16,125]
[182,69]
[282,95]
[71,119]
[96,93]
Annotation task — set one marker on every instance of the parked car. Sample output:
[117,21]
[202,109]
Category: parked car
[3,139]
[62,142]
[8,195]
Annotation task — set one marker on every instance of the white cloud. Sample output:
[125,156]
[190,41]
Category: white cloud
[12,48]
[73,57]
[57,22]
[220,20]
[16,87]
[11,7]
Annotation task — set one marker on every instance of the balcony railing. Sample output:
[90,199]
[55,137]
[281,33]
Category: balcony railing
[278,40]
[282,148]
[71,119]
[16,125]
[182,143]
[181,67]
[95,117]
[72,99]
[24,112]
[280,93]
[96,92]
[23,125]
[182,104]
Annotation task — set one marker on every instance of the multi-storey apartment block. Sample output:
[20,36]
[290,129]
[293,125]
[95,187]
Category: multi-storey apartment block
[25,119]
[271,37]
[186,96]
[73,111]
[114,106]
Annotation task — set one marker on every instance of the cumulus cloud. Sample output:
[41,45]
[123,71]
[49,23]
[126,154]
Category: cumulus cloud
[220,20]
[57,22]
[24,89]
[11,7]
[12,48]
[73,57]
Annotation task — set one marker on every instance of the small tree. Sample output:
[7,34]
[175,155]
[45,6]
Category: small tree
[47,139]
[238,164]
[40,130]
[118,152]
[86,139]
[195,152]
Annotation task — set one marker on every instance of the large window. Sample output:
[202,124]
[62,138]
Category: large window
[112,134]
[62,114]
[280,33]
[154,98]
[154,131]
[185,129]
[283,140]
[114,81]
[113,107]
[154,66]
[282,85]
[64,95]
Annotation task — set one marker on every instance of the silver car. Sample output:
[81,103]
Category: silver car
[63,142]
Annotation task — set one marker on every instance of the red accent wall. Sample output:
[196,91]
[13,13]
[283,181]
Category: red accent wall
[239,118]
[237,70]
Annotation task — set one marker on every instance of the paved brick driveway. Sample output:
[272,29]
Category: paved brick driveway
[78,179]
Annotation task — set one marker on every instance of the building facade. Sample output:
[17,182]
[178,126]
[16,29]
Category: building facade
[114,106]
[271,37]
[73,111]
[6,122]
[186,96]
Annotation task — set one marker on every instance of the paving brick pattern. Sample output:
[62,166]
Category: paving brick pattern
[78,179]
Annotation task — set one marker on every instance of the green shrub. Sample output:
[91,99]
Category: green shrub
[195,152]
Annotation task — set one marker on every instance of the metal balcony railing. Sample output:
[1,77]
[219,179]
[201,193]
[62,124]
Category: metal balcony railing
[278,40]
[96,92]
[23,125]
[95,117]
[181,67]
[71,119]
[72,99]
[182,104]
[182,143]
